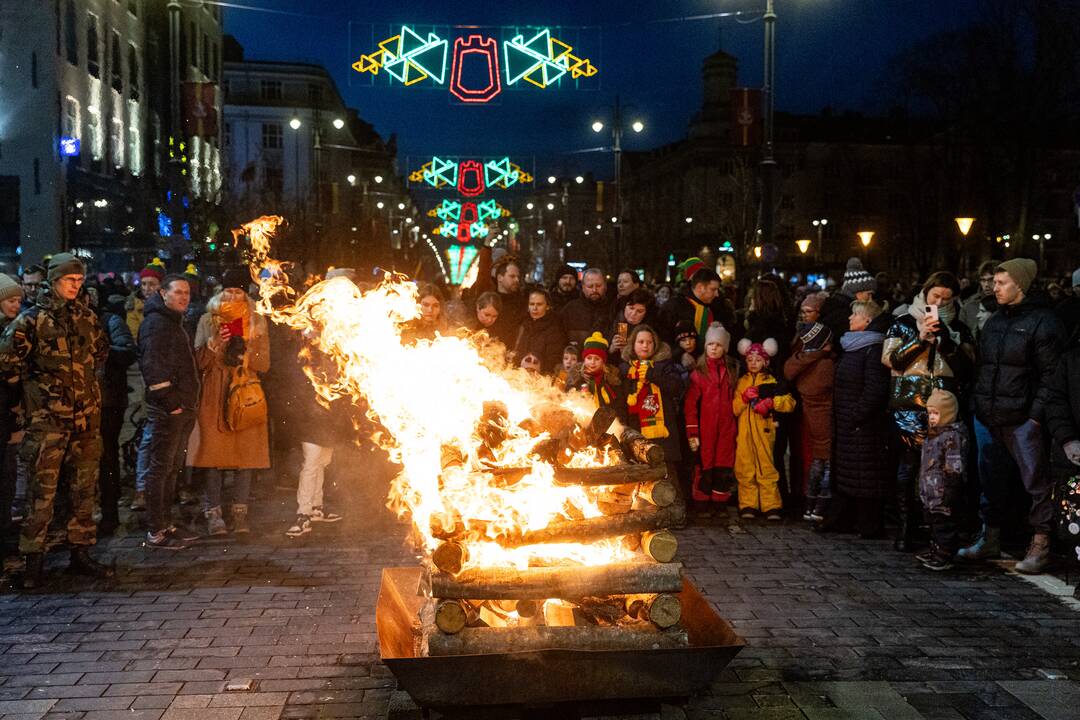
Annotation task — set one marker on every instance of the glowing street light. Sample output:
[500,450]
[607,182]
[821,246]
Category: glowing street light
[551,179]
[401,206]
[551,206]
[637,126]
[804,246]
[295,123]
[378,179]
[351,179]
[866,237]
[579,179]
[757,251]
[529,206]
[689,219]
[964,224]
[597,126]
[380,204]
[338,123]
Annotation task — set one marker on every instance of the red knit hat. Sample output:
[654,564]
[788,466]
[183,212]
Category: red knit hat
[595,344]
[155,268]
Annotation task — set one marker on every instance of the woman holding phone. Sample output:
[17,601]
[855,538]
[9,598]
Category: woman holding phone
[926,348]
[230,336]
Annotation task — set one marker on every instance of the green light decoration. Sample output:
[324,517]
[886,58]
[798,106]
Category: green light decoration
[408,58]
[461,258]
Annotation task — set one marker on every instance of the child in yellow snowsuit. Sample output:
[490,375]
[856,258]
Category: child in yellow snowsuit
[756,399]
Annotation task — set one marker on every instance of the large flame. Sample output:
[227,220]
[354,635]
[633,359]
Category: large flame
[428,397]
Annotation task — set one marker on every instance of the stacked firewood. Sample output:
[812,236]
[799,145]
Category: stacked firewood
[629,605]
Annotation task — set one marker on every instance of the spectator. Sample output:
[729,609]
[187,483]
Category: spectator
[860,470]
[1018,354]
[593,376]
[149,283]
[710,419]
[569,360]
[57,346]
[638,307]
[812,367]
[701,306]
[650,392]
[169,372]
[590,312]
[114,402]
[508,286]
[32,278]
[810,308]
[858,285]
[1063,426]
[11,297]
[485,312]
[541,334]
[941,476]
[198,304]
[758,397]
[231,336]
[565,288]
[686,346]
[431,321]
[925,348]
[663,294]
[974,313]
[626,282]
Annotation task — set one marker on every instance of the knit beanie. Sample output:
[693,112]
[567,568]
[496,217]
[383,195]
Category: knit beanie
[237,277]
[689,267]
[946,404]
[856,279]
[155,268]
[9,288]
[766,349]
[565,270]
[684,329]
[595,344]
[1021,270]
[62,264]
[717,333]
[814,301]
[814,336]
[191,271]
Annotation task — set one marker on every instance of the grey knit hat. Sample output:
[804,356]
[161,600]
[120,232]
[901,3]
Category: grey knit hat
[9,287]
[64,263]
[856,279]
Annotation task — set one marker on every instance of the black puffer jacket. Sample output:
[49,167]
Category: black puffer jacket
[166,358]
[1063,405]
[861,420]
[1018,352]
[582,317]
[544,338]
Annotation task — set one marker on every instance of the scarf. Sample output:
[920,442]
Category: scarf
[233,310]
[597,386]
[858,340]
[946,312]
[645,401]
[703,318]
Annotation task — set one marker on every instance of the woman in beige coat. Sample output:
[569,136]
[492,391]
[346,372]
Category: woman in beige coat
[229,334]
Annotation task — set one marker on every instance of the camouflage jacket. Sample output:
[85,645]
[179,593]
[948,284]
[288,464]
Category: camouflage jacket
[57,346]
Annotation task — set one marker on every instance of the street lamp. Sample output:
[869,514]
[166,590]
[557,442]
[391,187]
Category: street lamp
[865,236]
[295,123]
[964,224]
[338,123]
[529,206]
[768,160]
[616,145]
[638,126]
[804,245]
[597,126]
[819,225]
[551,179]
[579,179]
[351,179]
[757,251]
[378,179]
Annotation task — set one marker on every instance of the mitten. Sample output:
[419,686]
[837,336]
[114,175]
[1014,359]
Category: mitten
[762,407]
[750,393]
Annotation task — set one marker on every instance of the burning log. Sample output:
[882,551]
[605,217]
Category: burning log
[597,528]
[660,545]
[660,493]
[610,475]
[568,583]
[451,616]
[558,614]
[640,448]
[662,610]
[492,429]
[481,641]
[450,557]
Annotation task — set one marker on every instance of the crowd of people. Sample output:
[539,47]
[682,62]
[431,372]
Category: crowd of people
[930,404]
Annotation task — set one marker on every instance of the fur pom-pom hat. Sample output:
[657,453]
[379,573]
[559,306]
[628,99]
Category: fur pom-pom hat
[717,334]
[765,350]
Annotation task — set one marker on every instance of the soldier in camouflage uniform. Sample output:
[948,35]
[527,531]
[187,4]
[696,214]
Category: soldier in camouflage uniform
[58,344]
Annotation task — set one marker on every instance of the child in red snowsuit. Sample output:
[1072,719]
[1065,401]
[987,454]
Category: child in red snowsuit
[710,421]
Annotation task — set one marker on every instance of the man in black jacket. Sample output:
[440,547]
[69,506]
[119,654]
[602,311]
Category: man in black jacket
[172,396]
[114,402]
[699,308]
[1019,349]
[589,313]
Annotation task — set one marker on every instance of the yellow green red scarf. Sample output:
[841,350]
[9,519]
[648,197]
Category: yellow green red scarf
[599,389]
[646,402]
[703,317]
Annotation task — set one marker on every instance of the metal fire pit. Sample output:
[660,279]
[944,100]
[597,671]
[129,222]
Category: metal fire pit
[547,676]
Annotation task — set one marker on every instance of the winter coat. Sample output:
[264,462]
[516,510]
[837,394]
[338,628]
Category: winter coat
[709,414]
[1063,407]
[686,308]
[757,433]
[560,298]
[57,346]
[813,374]
[581,318]
[576,380]
[122,352]
[941,473]
[10,396]
[860,466]
[212,443]
[973,313]
[514,312]
[834,315]
[544,338]
[1068,312]
[665,376]
[166,359]
[306,418]
[1018,353]
[918,366]
[136,311]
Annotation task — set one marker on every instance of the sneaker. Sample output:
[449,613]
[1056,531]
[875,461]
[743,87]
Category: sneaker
[775,516]
[321,515]
[938,562]
[747,514]
[138,502]
[808,515]
[301,526]
[164,541]
[814,516]
[182,534]
[925,555]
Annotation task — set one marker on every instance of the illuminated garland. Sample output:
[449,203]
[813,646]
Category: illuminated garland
[468,220]
[470,178]
[461,258]
[410,58]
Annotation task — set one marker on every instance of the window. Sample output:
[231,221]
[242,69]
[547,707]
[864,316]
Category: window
[116,142]
[315,94]
[271,90]
[271,135]
[93,52]
[93,127]
[274,178]
[117,66]
[70,122]
[133,72]
[134,150]
[71,38]
[226,135]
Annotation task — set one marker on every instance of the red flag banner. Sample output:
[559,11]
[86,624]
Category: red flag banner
[200,112]
[746,118]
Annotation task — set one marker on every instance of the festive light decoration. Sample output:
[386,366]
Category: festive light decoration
[488,51]
[470,179]
[461,258]
[408,58]
[500,173]
[439,173]
[443,172]
[542,60]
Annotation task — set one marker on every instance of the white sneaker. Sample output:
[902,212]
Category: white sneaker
[321,515]
[300,527]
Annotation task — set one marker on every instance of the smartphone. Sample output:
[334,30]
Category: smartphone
[236,327]
[932,313]
[622,328]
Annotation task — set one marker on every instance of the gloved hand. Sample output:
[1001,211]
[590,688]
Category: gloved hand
[750,393]
[1072,451]
[767,390]
[694,443]
[763,407]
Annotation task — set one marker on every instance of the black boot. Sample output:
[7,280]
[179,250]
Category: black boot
[905,528]
[34,574]
[83,564]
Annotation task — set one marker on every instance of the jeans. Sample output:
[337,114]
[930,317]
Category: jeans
[820,485]
[140,460]
[1024,445]
[214,490]
[309,492]
[908,506]
[161,451]
[112,421]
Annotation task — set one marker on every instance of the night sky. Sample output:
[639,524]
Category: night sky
[829,53]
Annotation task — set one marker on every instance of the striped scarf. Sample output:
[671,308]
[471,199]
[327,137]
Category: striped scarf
[645,401]
[703,317]
[599,389]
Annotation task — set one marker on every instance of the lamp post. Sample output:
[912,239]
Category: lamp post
[1041,239]
[616,145]
[866,237]
[819,225]
[768,160]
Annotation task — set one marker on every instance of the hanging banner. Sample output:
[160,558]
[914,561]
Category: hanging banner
[746,119]
[200,112]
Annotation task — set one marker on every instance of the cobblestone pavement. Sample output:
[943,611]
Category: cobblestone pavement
[275,628]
